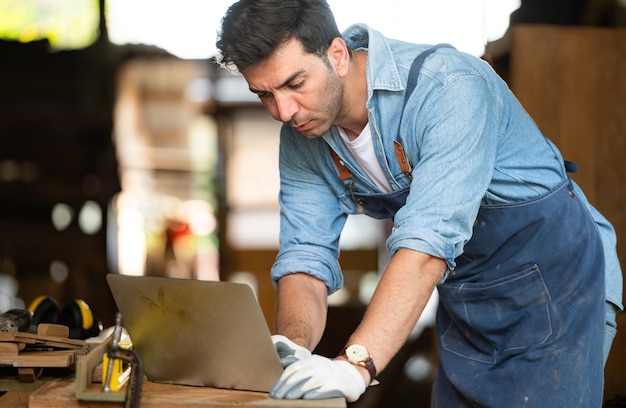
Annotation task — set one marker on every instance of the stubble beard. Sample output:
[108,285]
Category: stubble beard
[332,107]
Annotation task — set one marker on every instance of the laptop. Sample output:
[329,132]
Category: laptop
[193,332]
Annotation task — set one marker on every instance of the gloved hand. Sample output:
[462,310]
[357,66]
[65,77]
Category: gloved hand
[288,351]
[317,377]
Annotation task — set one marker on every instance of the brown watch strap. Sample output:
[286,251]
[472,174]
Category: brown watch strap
[368,364]
[370,367]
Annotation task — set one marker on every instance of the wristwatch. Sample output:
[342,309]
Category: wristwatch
[358,355]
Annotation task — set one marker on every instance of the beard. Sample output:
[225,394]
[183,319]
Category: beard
[329,108]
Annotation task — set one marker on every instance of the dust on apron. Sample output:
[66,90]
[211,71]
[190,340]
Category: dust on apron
[520,321]
[521,318]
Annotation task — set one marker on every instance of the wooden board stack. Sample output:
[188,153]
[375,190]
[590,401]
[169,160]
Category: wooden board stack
[30,352]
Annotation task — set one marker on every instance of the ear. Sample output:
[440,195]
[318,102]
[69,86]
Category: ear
[339,56]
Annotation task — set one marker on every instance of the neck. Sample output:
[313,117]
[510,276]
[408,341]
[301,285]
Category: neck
[355,95]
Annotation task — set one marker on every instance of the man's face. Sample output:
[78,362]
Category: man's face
[298,88]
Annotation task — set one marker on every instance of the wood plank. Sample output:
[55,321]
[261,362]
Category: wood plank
[15,399]
[49,329]
[29,374]
[11,348]
[42,340]
[10,382]
[61,394]
[57,358]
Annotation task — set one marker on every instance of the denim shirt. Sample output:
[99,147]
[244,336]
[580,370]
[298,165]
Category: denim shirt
[470,144]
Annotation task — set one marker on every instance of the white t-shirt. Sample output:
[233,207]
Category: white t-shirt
[362,149]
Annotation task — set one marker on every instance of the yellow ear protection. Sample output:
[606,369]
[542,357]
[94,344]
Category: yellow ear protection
[76,315]
[44,309]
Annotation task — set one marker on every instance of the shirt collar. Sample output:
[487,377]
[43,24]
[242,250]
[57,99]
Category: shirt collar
[382,71]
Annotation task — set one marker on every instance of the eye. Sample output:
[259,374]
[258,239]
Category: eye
[296,85]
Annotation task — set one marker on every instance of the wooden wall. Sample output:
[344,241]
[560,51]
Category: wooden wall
[572,81]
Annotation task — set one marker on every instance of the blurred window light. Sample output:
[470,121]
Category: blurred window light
[67,24]
[339,298]
[184,28]
[9,170]
[465,24]
[188,28]
[131,237]
[247,278]
[199,215]
[59,271]
[90,217]
[62,215]
[8,292]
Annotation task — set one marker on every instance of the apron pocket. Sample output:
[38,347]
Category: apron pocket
[489,319]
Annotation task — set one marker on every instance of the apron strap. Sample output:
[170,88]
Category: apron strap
[411,83]
[415,69]
[401,156]
[570,166]
[403,161]
[344,173]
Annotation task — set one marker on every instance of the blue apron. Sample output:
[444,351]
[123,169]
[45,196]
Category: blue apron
[520,321]
[521,318]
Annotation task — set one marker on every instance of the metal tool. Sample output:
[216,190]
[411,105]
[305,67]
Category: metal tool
[133,389]
[15,320]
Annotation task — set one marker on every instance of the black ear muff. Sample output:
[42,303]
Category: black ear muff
[78,317]
[44,309]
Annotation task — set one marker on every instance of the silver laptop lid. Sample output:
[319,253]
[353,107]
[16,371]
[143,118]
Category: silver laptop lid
[194,332]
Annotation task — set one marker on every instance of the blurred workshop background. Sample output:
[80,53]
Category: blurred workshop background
[124,149]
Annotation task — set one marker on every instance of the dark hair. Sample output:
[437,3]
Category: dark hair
[253,29]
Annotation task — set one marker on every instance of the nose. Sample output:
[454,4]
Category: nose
[285,108]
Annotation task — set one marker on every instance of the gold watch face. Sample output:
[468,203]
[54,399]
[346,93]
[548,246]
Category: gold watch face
[356,353]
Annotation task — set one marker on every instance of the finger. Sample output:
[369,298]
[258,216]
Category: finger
[317,394]
[286,354]
[283,349]
[286,389]
[298,389]
[287,360]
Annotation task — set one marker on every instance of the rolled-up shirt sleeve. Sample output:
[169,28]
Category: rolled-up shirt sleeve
[311,218]
[457,134]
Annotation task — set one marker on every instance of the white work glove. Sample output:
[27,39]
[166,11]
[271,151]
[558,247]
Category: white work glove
[317,377]
[288,351]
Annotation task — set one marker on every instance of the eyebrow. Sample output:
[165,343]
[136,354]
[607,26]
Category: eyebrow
[284,84]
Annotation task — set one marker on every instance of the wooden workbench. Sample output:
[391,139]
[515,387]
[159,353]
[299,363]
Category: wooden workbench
[61,393]
[69,389]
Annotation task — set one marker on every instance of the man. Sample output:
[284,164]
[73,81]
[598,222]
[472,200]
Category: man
[482,206]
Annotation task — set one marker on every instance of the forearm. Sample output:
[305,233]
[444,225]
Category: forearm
[301,309]
[399,299]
